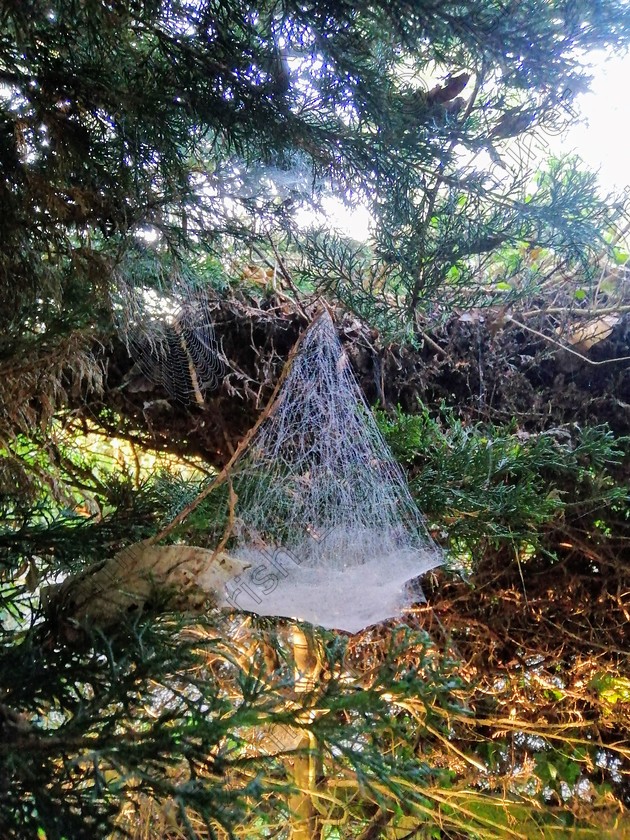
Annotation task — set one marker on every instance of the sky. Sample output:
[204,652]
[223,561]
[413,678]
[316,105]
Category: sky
[601,137]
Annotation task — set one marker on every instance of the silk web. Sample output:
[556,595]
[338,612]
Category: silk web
[323,515]
[167,328]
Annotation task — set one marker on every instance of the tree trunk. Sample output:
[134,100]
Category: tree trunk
[304,822]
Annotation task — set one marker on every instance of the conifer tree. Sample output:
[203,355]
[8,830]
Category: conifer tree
[148,137]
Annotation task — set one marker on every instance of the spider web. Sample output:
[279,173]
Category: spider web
[323,516]
[168,331]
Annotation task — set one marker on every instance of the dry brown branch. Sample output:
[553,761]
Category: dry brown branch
[567,348]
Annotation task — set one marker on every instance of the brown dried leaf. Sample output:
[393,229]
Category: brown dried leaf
[587,335]
[182,577]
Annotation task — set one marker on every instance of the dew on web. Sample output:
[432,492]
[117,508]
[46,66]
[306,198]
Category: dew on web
[167,328]
[323,516]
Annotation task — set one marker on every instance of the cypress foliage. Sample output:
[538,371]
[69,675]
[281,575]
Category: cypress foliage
[144,133]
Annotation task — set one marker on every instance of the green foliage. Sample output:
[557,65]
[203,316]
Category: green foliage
[478,482]
[161,716]
[172,712]
[204,125]
[142,141]
[98,714]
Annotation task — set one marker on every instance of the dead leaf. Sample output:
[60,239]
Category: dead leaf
[181,577]
[32,577]
[587,335]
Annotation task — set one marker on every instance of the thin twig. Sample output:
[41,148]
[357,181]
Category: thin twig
[565,310]
[434,345]
[620,235]
[287,276]
[190,363]
[232,500]
[562,346]
[432,194]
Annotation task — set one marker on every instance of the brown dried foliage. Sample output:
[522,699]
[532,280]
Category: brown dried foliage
[35,385]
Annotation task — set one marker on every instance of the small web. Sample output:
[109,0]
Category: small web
[324,517]
[167,328]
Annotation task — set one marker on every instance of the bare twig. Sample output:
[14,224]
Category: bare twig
[232,500]
[562,346]
[565,310]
